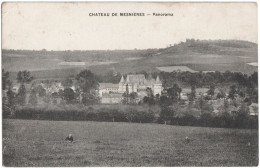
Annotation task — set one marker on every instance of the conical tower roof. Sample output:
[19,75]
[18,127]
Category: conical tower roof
[158,80]
[122,80]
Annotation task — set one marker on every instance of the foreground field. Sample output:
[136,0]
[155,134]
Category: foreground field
[40,143]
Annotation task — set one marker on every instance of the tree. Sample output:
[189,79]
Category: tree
[193,93]
[41,91]
[47,99]
[165,101]
[193,80]
[242,117]
[5,80]
[226,106]
[24,77]
[221,94]
[89,99]
[243,109]
[166,114]
[55,95]
[10,98]
[61,93]
[54,101]
[174,92]
[146,100]
[126,95]
[77,95]
[254,78]
[201,103]
[133,97]
[232,92]
[87,81]
[211,90]
[68,95]
[33,98]
[150,99]
[21,96]
[67,83]
[240,78]
[241,92]
[149,92]
[8,103]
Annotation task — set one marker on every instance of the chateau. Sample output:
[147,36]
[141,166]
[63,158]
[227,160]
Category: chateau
[112,93]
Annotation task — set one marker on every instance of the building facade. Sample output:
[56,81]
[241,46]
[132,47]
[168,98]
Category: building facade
[137,83]
[133,83]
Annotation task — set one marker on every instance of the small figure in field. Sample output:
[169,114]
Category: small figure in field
[187,139]
[69,138]
[248,144]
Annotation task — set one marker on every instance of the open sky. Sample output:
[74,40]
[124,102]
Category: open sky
[68,26]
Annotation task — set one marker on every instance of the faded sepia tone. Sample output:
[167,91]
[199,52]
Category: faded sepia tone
[129,84]
[54,26]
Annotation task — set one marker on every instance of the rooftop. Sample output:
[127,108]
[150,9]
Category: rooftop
[138,78]
[107,85]
[198,90]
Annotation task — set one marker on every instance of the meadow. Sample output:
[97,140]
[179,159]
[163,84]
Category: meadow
[41,143]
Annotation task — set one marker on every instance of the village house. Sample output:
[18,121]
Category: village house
[253,109]
[16,86]
[111,98]
[107,88]
[185,93]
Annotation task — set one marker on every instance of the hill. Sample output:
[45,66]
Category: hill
[197,55]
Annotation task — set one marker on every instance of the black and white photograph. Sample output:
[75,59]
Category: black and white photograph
[129,84]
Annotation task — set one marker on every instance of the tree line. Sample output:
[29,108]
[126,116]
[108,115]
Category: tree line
[86,80]
[170,102]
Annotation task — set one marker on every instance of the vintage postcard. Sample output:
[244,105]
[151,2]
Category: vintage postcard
[131,84]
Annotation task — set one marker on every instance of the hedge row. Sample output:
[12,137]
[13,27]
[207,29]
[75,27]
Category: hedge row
[221,121]
[132,115]
[109,115]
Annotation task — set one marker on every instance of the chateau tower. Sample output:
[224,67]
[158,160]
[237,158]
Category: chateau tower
[157,87]
[122,87]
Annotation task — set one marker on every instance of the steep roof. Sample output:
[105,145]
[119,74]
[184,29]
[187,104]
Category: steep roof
[198,90]
[150,82]
[107,85]
[122,80]
[158,81]
[136,78]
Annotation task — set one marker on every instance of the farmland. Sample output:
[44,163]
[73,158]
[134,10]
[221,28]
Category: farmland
[175,68]
[211,55]
[40,143]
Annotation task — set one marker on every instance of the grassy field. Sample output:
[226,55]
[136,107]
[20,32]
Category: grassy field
[40,143]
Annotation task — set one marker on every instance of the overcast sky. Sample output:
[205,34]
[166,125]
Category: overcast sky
[68,26]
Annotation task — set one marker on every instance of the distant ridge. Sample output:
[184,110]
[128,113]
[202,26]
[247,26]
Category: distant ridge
[221,47]
[198,55]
